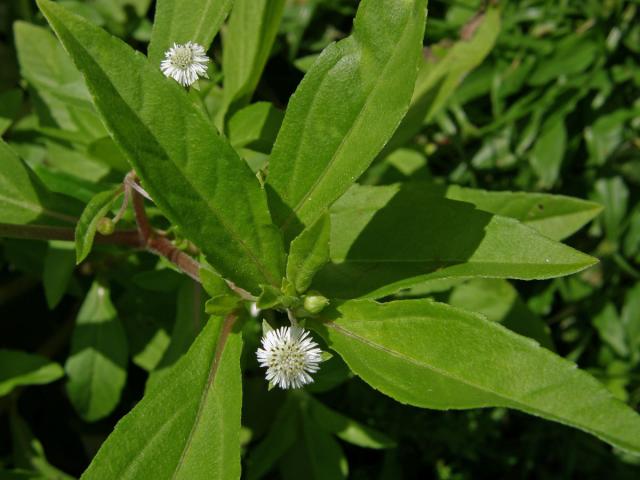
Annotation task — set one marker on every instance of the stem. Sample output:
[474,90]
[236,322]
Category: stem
[292,319]
[125,204]
[160,245]
[42,232]
[144,237]
[242,293]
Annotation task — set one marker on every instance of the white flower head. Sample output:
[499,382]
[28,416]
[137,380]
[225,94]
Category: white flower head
[290,355]
[185,63]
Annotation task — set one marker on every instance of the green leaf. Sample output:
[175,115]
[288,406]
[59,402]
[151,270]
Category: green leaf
[20,368]
[270,297]
[630,319]
[387,238]
[57,271]
[107,152]
[213,283]
[10,102]
[192,173]
[554,216]
[72,186]
[181,21]
[606,134]
[548,152]
[86,227]
[148,315]
[222,304]
[346,428]
[46,66]
[281,437]
[441,72]
[432,355]
[344,111]
[188,323]
[316,455]
[309,252]
[611,329]
[613,194]
[23,197]
[97,365]
[499,301]
[188,427]
[255,127]
[247,43]
[573,54]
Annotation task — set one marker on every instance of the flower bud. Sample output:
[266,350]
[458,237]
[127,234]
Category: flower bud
[315,303]
[105,226]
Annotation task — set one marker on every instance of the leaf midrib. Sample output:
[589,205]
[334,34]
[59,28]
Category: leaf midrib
[450,262]
[232,232]
[448,375]
[36,208]
[213,370]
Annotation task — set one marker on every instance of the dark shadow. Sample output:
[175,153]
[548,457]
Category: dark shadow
[283,216]
[145,315]
[523,321]
[268,132]
[416,232]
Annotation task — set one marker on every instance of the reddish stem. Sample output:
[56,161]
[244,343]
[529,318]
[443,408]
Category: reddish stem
[160,245]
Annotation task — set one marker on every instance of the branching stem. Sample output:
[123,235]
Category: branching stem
[160,245]
[145,236]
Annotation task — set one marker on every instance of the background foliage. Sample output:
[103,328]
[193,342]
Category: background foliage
[552,108]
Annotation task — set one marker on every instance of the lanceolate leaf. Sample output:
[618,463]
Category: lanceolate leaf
[435,356]
[255,126]
[548,152]
[44,64]
[345,109]
[97,365]
[189,321]
[316,455]
[309,252]
[181,21]
[346,428]
[555,216]
[10,103]
[192,173]
[443,70]
[384,239]
[95,210]
[247,43]
[23,197]
[21,368]
[57,271]
[189,426]
[499,301]
[281,437]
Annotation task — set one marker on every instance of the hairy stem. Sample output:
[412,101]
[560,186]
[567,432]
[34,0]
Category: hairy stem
[144,237]
[129,238]
[160,245]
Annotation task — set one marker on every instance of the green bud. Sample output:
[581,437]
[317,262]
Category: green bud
[315,303]
[105,226]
